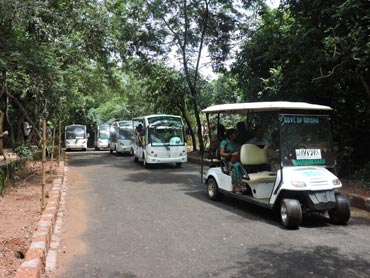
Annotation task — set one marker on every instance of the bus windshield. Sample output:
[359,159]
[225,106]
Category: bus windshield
[104,132]
[306,140]
[164,130]
[75,132]
[125,133]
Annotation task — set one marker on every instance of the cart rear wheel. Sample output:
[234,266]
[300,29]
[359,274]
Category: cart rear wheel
[342,212]
[290,213]
[212,189]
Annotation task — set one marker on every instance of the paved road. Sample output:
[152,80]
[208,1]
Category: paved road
[128,221]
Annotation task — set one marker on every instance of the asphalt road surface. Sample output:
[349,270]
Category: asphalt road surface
[124,220]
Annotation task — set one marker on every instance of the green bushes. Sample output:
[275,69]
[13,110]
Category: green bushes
[24,152]
[364,174]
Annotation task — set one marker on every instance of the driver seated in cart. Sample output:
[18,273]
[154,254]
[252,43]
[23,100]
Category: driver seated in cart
[258,138]
[273,152]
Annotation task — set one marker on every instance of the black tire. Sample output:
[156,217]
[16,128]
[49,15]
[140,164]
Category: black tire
[341,214]
[111,151]
[290,213]
[146,164]
[212,190]
[136,159]
[178,164]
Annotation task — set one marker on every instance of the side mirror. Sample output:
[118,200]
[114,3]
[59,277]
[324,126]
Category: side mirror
[88,135]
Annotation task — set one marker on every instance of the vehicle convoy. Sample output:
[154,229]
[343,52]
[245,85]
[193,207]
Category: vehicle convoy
[160,139]
[302,180]
[121,135]
[101,137]
[75,137]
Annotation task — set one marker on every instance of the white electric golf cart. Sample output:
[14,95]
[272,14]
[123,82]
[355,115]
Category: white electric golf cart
[304,179]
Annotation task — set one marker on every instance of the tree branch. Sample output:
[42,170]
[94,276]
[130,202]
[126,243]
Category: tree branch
[330,72]
[205,21]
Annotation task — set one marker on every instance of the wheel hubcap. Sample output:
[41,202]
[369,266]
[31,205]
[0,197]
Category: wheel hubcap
[283,213]
[211,189]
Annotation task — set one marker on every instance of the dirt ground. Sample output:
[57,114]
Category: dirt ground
[20,210]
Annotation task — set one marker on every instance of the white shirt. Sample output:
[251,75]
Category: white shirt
[255,141]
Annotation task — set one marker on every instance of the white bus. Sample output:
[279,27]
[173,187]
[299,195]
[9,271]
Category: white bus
[101,137]
[160,139]
[121,136]
[75,137]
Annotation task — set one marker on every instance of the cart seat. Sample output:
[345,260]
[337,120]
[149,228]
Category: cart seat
[254,158]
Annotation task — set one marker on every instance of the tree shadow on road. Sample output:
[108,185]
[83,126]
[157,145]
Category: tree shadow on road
[287,261]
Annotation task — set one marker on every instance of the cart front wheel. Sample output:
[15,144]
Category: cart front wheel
[341,213]
[290,213]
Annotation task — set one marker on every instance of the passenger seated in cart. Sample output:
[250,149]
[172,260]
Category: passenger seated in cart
[241,133]
[229,150]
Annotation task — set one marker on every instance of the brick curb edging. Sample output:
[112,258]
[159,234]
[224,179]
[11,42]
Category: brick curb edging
[355,200]
[33,265]
[358,201]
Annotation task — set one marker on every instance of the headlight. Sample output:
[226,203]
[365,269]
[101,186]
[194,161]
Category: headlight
[298,184]
[337,182]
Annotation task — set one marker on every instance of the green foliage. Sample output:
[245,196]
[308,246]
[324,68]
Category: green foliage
[314,51]
[223,90]
[364,174]
[186,30]
[89,61]
[52,51]
[112,110]
[24,152]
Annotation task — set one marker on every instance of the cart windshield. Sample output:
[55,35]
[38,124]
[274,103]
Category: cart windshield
[306,140]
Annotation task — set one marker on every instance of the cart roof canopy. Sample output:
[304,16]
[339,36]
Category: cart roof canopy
[240,108]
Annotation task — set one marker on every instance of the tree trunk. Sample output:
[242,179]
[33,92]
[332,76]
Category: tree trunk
[2,133]
[190,130]
[23,110]
[11,130]
[43,163]
[196,113]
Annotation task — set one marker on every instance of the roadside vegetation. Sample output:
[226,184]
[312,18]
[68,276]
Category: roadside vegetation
[92,62]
